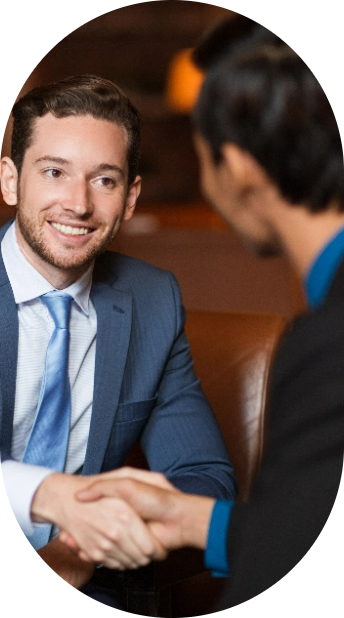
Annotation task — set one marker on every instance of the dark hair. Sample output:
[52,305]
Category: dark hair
[233,34]
[80,95]
[269,103]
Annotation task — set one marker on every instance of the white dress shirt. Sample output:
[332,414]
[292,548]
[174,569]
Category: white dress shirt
[35,329]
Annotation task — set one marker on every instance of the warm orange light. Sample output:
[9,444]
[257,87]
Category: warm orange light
[184,81]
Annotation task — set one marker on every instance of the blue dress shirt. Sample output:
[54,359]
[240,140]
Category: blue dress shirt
[216,552]
[323,270]
[317,283]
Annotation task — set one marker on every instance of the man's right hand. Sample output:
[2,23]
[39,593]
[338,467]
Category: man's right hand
[177,519]
[108,531]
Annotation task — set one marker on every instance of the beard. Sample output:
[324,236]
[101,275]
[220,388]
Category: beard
[63,259]
[262,249]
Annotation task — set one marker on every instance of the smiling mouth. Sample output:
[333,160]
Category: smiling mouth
[69,230]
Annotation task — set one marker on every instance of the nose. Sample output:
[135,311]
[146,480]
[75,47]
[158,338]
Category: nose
[78,200]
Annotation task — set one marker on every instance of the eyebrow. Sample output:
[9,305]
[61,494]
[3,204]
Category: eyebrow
[49,159]
[107,167]
[102,167]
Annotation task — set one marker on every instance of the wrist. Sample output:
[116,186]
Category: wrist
[48,499]
[195,515]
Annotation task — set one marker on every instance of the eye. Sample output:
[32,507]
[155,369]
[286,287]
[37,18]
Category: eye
[53,173]
[106,182]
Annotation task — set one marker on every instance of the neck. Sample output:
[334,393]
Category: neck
[303,234]
[60,279]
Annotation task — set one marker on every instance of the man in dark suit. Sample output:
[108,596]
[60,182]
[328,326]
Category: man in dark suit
[72,178]
[272,165]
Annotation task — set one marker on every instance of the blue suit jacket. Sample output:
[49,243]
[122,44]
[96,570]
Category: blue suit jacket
[144,386]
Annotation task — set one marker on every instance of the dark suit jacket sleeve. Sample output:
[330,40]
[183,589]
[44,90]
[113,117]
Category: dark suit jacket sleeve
[182,438]
[300,476]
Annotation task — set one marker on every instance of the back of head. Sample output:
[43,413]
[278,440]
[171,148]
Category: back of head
[80,95]
[233,35]
[267,101]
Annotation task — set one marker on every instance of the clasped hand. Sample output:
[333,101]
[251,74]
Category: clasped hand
[106,528]
[172,518]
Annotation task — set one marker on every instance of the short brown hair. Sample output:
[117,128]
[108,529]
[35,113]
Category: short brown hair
[80,95]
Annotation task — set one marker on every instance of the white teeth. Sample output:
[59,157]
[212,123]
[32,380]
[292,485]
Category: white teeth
[69,230]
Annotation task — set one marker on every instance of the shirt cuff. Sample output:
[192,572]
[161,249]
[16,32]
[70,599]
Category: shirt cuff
[216,551]
[21,483]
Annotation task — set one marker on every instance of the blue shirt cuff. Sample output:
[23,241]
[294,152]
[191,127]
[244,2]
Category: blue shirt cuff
[216,552]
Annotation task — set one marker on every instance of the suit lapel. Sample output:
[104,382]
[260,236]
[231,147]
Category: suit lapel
[114,310]
[8,358]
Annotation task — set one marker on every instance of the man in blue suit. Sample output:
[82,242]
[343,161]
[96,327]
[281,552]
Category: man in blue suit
[72,178]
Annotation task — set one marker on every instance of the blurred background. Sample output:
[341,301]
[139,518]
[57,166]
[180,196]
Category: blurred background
[145,49]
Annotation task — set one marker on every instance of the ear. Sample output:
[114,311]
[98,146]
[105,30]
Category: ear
[132,197]
[245,171]
[9,181]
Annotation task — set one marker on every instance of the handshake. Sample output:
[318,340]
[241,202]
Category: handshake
[122,519]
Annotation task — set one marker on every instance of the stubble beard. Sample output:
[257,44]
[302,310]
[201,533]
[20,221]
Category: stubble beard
[263,250]
[38,244]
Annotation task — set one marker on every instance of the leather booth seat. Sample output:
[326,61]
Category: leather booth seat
[233,354]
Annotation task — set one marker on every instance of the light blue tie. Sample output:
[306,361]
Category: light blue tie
[48,442]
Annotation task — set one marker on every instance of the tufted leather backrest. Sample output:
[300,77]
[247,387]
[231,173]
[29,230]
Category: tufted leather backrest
[233,353]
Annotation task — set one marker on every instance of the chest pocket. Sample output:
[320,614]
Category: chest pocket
[129,421]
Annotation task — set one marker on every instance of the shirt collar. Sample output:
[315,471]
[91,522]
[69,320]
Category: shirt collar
[323,269]
[27,283]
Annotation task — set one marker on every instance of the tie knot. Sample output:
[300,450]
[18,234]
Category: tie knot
[59,305]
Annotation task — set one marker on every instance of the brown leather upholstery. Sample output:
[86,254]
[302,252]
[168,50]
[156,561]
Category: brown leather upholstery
[232,354]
